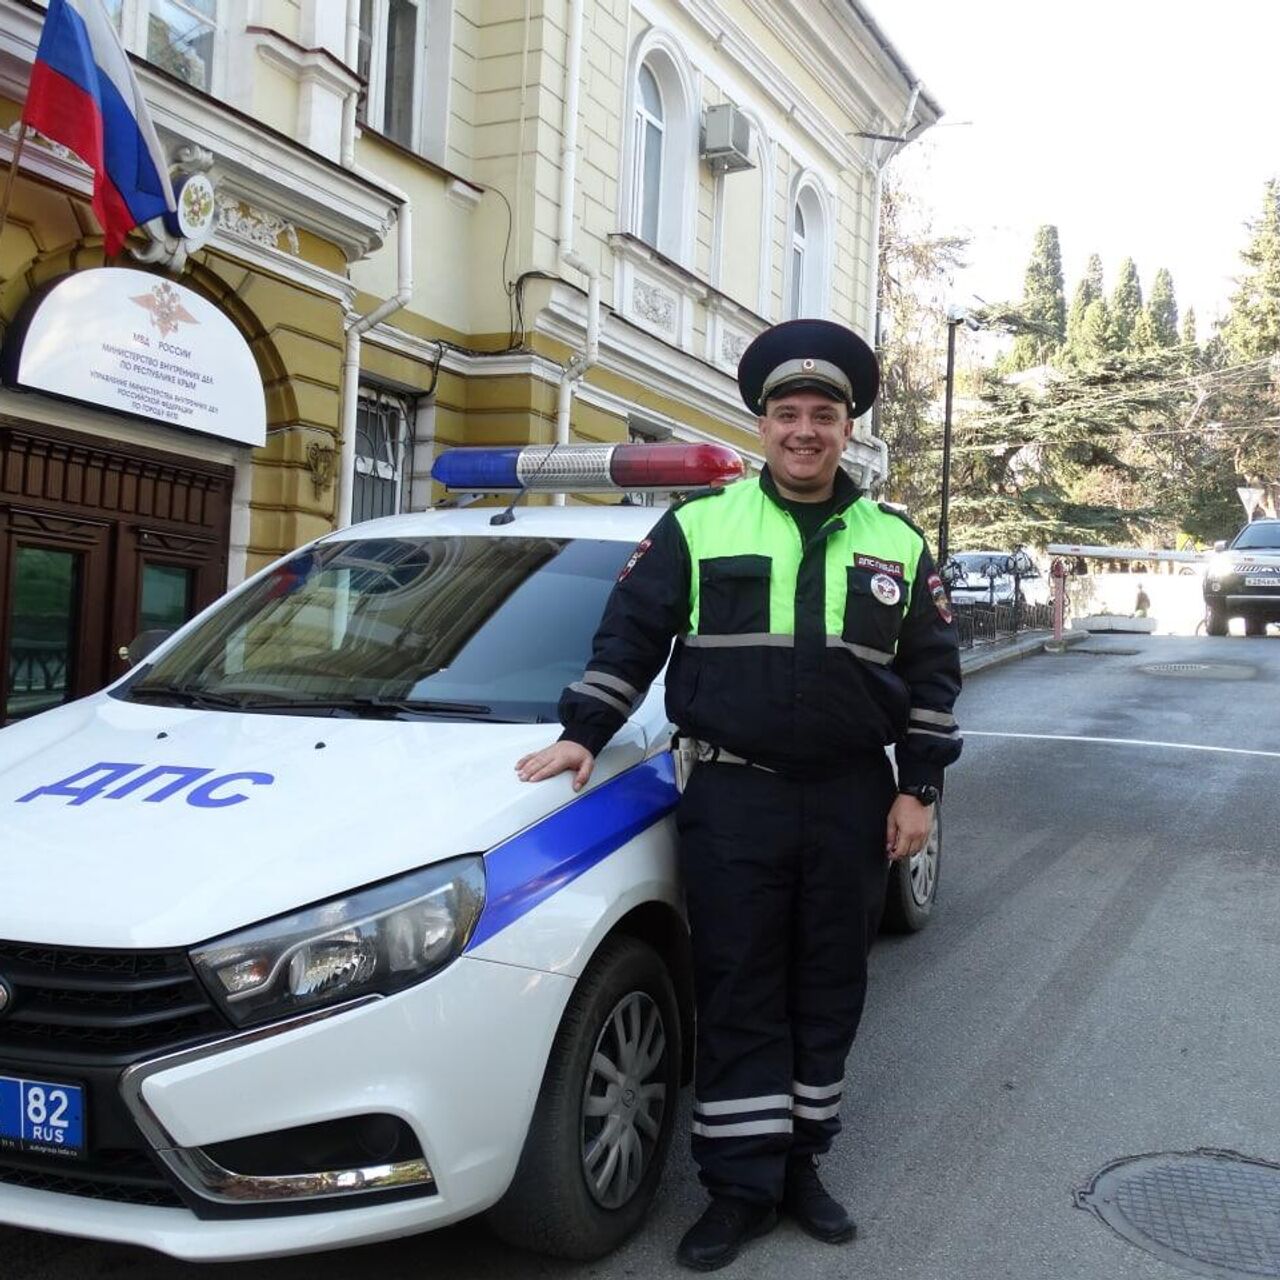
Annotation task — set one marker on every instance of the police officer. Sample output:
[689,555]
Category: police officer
[811,631]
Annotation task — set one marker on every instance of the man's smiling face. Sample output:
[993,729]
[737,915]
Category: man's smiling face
[804,434]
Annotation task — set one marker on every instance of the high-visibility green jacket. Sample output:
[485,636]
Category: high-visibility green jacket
[796,656]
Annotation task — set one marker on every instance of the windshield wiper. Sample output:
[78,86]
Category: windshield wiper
[370,702]
[186,695]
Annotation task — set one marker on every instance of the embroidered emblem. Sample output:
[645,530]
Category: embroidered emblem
[885,589]
[634,559]
[876,565]
[939,594]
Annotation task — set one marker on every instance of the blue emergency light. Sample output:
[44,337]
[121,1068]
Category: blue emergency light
[588,468]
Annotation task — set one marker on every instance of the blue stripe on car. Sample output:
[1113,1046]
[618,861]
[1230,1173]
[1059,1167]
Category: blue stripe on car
[530,867]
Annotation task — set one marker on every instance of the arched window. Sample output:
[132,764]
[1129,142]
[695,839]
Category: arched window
[647,157]
[659,173]
[806,285]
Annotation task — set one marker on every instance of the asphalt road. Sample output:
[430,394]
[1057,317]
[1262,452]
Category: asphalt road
[1099,981]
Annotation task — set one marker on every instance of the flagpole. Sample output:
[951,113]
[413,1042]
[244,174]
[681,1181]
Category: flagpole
[14,164]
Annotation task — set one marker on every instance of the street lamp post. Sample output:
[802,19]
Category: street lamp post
[954,318]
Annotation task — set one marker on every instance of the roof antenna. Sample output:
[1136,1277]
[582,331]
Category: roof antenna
[507,515]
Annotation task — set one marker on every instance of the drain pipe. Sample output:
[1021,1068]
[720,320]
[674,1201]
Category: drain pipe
[878,167]
[581,361]
[360,325]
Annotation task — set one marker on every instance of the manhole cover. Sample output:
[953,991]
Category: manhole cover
[1215,1213]
[1205,670]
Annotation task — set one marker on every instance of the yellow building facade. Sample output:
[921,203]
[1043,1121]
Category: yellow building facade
[434,222]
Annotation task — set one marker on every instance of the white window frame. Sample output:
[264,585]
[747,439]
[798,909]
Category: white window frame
[134,31]
[645,119]
[813,287]
[660,51]
[374,116]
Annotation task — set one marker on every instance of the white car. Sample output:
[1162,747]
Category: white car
[291,958]
[986,578]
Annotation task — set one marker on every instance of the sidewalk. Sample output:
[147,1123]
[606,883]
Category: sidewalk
[996,653]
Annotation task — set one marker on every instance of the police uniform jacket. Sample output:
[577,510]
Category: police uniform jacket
[796,657]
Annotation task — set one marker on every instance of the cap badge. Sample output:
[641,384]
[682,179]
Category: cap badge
[885,589]
[806,365]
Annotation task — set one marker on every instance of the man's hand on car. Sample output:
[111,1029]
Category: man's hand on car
[909,825]
[558,758]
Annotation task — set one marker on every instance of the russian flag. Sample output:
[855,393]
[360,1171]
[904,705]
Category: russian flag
[84,96]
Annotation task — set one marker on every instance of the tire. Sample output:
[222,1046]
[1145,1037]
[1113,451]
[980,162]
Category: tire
[1215,619]
[625,999]
[913,886]
[1255,626]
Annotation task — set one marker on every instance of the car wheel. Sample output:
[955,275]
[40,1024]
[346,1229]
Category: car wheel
[913,885]
[601,1130]
[1215,620]
[1255,626]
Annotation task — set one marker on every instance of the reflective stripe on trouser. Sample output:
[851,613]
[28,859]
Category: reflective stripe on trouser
[785,883]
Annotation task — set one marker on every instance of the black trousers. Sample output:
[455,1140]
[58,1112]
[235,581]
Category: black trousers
[785,882]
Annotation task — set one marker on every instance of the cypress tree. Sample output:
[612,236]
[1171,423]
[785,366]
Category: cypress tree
[1163,310]
[1087,291]
[1252,327]
[1126,305]
[1189,327]
[1044,303]
[1096,330]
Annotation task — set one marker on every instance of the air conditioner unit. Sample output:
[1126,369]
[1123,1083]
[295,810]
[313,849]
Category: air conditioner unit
[726,139]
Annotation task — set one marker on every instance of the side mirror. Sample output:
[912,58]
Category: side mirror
[1220,545]
[140,647]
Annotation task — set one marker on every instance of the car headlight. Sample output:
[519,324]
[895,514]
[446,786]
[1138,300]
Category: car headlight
[375,941]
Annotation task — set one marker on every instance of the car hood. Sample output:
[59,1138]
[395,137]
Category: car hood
[287,811]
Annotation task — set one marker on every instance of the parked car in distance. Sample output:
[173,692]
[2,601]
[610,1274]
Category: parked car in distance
[1243,580]
[988,577]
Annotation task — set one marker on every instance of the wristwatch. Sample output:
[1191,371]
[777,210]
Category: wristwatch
[924,793]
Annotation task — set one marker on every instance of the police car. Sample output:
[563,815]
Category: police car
[291,959]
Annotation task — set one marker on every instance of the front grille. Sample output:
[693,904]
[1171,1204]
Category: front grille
[88,1002]
[82,1015]
[124,1176]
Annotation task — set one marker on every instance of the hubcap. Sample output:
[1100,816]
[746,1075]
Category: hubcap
[624,1100]
[923,870]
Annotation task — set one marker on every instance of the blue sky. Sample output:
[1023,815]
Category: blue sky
[1139,128]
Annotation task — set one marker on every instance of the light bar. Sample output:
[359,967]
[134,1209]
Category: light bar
[588,468]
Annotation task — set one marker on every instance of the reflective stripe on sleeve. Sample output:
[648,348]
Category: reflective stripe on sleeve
[622,708]
[737,1106]
[933,717]
[932,733]
[605,680]
[817,1092]
[802,1112]
[748,1129]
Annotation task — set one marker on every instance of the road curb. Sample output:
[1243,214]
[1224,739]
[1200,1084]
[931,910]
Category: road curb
[996,655]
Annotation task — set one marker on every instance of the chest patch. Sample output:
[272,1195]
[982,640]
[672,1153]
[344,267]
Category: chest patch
[876,565]
[885,589]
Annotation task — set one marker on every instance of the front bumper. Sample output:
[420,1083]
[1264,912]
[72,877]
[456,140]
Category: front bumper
[459,1059]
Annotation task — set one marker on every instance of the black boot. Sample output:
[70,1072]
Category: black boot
[725,1226]
[806,1200]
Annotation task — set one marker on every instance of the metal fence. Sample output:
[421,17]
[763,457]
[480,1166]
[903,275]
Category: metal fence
[980,623]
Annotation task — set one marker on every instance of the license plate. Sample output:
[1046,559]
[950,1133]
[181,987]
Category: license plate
[1256,580]
[40,1116]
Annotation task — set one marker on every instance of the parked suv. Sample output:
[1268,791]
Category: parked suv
[987,577]
[1243,580]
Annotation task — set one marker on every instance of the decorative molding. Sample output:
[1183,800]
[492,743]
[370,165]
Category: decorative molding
[240,220]
[463,194]
[653,303]
[654,292]
[46,159]
[320,462]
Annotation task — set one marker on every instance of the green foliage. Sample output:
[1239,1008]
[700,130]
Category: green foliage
[1189,338]
[1252,326]
[1088,291]
[1162,310]
[1126,305]
[1043,304]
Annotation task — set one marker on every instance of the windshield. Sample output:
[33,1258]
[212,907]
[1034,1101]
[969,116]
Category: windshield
[1258,537]
[475,627]
[976,562]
